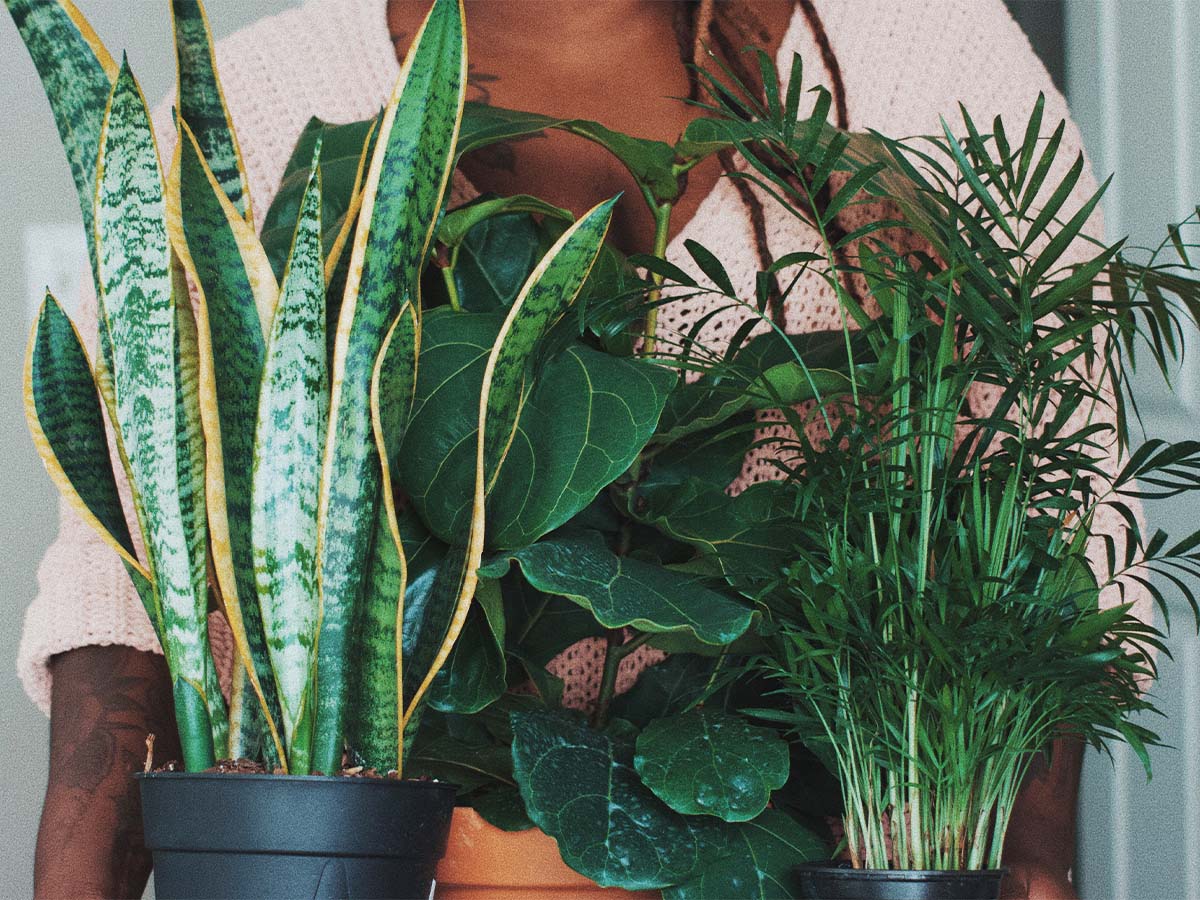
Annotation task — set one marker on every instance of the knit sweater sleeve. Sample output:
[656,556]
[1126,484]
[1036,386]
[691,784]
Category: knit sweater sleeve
[328,58]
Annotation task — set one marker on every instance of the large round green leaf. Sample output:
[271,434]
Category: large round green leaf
[754,860]
[579,787]
[712,763]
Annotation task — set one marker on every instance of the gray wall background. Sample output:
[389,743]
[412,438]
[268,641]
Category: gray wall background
[1137,99]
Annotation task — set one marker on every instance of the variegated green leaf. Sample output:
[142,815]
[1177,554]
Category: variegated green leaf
[201,104]
[372,730]
[65,419]
[67,425]
[547,295]
[287,469]
[249,736]
[210,239]
[189,450]
[372,727]
[138,308]
[77,73]
[403,193]
[345,154]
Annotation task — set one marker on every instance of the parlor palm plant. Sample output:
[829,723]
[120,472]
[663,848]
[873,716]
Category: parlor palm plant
[938,622]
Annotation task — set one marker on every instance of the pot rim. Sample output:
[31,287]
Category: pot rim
[841,870]
[226,777]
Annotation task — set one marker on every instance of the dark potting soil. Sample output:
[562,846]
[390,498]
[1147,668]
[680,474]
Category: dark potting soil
[251,767]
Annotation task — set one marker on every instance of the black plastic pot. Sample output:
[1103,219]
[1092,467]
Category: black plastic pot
[267,836]
[840,882]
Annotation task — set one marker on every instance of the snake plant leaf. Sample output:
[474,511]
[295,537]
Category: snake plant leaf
[475,673]
[372,731]
[376,709]
[345,153]
[753,859]
[138,304]
[711,763]
[409,172]
[77,73]
[580,787]
[249,735]
[66,421]
[548,292]
[235,294]
[189,450]
[622,591]
[289,435]
[67,424]
[201,103]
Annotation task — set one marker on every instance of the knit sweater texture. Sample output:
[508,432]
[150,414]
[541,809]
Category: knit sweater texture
[903,65]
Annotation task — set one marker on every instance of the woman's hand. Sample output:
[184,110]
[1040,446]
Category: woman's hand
[1039,850]
[1037,882]
[104,702]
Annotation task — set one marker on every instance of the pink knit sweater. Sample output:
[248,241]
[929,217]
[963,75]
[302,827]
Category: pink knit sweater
[334,59]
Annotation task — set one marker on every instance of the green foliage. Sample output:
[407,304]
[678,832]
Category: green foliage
[154,396]
[289,435]
[756,859]
[938,623]
[911,599]
[580,786]
[402,195]
[712,763]
[621,591]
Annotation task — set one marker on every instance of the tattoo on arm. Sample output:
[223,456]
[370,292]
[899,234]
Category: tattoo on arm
[105,701]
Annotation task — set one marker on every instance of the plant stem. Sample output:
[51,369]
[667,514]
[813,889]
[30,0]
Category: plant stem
[615,651]
[616,647]
[451,290]
[662,229]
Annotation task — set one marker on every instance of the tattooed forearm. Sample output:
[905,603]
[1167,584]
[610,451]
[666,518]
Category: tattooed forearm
[105,701]
[1040,847]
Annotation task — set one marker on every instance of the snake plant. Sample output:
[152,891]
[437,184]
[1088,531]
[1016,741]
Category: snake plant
[251,454]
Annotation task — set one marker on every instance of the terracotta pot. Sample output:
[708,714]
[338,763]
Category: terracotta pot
[484,863]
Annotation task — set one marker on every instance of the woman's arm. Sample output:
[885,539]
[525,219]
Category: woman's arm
[104,701]
[1040,848]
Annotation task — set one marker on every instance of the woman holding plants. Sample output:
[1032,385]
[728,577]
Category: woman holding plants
[618,62]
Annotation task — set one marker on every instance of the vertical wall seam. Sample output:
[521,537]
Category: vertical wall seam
[1108,40]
